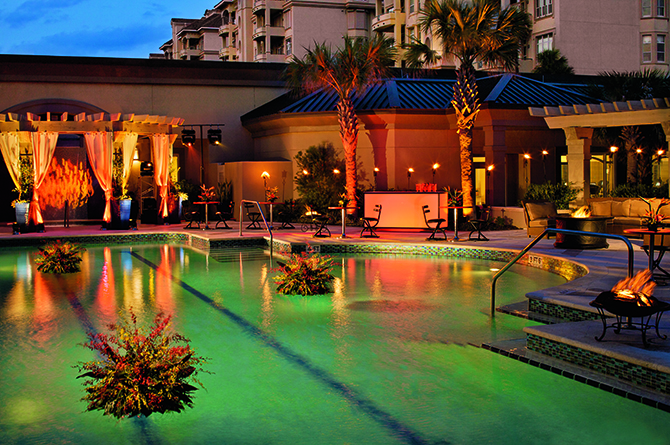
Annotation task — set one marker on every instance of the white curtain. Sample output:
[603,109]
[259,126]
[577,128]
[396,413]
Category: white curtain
[99,147]
[128,149]
[9,146]
[44,146]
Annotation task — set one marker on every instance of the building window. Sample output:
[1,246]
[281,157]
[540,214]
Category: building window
[545,42]
[289,48]
[660,8]
[646,49]
[660,49]
[646,8]
[543,8]
[411,6]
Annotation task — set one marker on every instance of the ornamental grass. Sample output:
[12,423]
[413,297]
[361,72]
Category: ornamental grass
[59,257]
[305,275]
[142,371]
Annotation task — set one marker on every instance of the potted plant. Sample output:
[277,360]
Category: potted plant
[140,371]
[26,181]
[224,191]
[305,275]
[120,194]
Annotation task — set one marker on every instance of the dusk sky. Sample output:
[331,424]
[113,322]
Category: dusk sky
[120,28]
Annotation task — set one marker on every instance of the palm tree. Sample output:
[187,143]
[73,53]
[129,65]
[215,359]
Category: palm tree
[474,30]
[347,72]
[552,62]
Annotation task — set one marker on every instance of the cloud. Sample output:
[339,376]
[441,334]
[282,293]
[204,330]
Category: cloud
[32,11]
[129,41]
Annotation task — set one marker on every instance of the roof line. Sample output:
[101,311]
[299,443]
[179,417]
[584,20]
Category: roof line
[499,88]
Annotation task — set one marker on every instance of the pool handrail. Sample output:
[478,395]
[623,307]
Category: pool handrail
[268,227]
[564,231]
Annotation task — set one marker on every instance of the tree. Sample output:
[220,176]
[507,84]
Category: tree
[476,30]
[348,71]
[552,62]
[315,181]
[639,143]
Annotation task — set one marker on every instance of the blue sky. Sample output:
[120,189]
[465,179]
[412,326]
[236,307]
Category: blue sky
[118,28]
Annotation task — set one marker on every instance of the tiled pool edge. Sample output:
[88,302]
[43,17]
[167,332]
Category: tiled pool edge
[580,378]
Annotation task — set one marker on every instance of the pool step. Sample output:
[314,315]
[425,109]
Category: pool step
[237,254]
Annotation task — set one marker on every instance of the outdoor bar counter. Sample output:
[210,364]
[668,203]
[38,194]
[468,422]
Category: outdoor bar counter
[403,210]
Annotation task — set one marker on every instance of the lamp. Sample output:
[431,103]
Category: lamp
[305,172]
[214,136]
[489,171]
[409,175]
[435,167]
[526,158]
[188,136]
[375,171]
[265,176]
[336,171]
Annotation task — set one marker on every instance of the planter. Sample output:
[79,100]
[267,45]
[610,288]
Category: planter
[174,210]
[22,209]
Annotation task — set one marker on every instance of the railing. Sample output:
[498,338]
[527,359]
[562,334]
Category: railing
[566,232]
[268,227]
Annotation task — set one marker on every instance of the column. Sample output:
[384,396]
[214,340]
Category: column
[494,152]
[579,157]
[666,130]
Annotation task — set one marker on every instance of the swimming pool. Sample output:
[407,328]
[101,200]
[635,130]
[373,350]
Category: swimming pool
[387,358]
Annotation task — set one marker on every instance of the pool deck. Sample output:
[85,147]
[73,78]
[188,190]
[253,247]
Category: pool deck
[606,267]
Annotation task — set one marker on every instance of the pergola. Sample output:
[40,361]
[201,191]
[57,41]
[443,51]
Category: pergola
[578,122]
[38,134]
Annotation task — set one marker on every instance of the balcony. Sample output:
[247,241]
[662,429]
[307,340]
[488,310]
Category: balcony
[261,57]
[225,29]
[188,53]
[227,51]
[259,33]
[387,21]
[259,5]
[277,31]
[279,58]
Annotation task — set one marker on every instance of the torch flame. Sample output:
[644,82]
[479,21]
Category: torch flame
[582,212]
[638,287]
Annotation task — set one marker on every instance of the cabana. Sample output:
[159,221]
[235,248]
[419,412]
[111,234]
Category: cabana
[37,135]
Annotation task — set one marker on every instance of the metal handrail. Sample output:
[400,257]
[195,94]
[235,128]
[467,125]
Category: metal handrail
[564,231]
[265,221]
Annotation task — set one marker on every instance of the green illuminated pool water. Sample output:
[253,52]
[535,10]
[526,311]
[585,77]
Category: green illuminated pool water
[385,359]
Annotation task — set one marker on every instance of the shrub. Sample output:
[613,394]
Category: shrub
[561,194]
[305,275]
[635,190]
[59,257]
[141,371]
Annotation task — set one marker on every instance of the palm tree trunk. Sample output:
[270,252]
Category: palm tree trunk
[466,104]
[346,116]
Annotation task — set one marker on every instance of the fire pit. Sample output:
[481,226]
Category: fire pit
[630,299]
[583,221]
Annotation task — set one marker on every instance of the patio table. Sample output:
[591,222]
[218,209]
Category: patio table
[344,219]
[206,203]
[456,238]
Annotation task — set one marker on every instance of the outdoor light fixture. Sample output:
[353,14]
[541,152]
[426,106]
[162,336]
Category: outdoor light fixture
[409,175]
[660,152]
[214,136]
[545,152]
[435,167]
[188,136]
[305,172]
[336,171]
[375,171]
[265,176]
[614,148]
[490,168]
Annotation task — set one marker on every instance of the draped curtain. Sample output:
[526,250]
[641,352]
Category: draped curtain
[9,146]
[99,146]
[44,146]
[161,144]
[128,149]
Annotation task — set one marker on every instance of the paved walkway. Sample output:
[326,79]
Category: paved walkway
[606,267]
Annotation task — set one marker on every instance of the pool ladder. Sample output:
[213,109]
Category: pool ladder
[268,227]
[564,231]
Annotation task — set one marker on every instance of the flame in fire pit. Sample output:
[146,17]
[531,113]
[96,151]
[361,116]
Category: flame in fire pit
[582,212]
[638,288]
